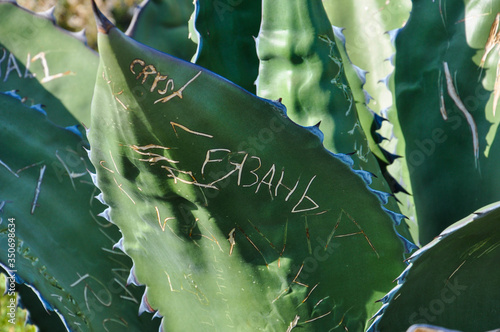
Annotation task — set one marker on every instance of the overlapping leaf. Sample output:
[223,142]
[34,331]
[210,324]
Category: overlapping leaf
[459,272]
[226,205]
[370,30]
[303,62]
[226,30]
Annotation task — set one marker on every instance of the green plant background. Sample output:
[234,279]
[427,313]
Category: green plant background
[73,15]
[116,52]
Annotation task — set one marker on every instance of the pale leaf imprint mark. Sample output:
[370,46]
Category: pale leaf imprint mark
[72,175]
[309,248]
[59,297]
[170,282]
[442,14]
[294,281]
[263,236]
[442,107]
[2,204]
[174,124]
[231,240]
[162,226]
[293,323]
[284,243]
[154,156]
[66,169]
[130,297]
[120,321]
[319,317]
[361,232]
[119,185]
[103,296]
[37,189]
[453,273]
[496,88]
[458,102]
[309,294]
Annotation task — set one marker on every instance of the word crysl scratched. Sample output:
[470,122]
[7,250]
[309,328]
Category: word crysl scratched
[148,70]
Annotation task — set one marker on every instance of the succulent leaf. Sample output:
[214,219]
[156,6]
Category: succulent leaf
[226,205]
[62,250]
[301,66]
[365,32]
[458,271]
[305,65]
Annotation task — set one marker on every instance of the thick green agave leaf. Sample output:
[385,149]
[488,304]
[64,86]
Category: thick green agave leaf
[301,64]
[366,31]
[452,281]
[366,27]
[17,319]
[232,213]
[163,25]
[60,248]
[46,63]
[371,30]
[226,30]
[453,161]
[303,61]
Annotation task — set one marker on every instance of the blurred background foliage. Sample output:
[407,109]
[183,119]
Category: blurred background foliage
[72,15]
[75,15]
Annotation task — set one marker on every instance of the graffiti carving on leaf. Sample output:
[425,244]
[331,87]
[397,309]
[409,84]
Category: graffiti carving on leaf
[167,85]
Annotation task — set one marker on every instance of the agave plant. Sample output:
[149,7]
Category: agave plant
[256,166]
